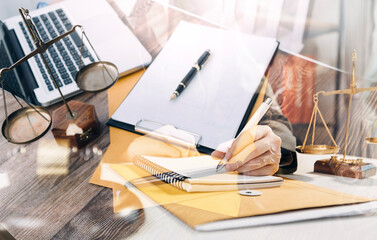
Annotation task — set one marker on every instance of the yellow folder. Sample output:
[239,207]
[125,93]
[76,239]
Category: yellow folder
[117,152]
[199,208]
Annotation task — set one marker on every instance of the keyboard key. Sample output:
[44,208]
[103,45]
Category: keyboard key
[60,29]
[50,88]
[59,65]
[35,20]
[68,26]
[76,39]
[71,68]
[67,81]
[64,53]
[52,15]
[69,63]
[51,50]
[55,56]
[67,59]
[62,71]
[65,75]
[44,17]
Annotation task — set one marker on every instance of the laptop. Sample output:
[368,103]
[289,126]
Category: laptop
[111,38]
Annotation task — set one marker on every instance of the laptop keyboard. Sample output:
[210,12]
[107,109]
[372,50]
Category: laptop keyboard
[10,77]
[63,58]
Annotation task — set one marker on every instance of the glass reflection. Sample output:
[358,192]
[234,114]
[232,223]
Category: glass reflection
[53,158]
[4,180]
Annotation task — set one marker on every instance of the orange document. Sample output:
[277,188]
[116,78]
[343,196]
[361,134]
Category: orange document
[117,153]
[200,208]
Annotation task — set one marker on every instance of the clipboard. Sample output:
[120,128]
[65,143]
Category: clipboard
[151,128]
[206,108]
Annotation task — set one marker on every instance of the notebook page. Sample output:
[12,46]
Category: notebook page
[206,164]
[184,166]
[214,103]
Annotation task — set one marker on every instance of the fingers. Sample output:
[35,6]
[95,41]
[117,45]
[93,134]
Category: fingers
[268,158]
[218,154]
[241,142]
[247,137]
[252,151]
[263,152]
[264,171]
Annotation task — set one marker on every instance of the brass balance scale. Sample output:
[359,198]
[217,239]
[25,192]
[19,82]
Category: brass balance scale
[342,166]
[30,123]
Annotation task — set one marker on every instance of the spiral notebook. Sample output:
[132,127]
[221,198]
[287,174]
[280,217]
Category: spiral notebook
[198,174]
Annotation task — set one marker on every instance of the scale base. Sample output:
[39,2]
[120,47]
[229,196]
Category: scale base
[348,168]
[81,129]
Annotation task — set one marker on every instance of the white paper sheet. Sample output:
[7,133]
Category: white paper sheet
[293,216]
[214,103]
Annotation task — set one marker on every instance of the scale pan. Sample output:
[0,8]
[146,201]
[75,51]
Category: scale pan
[318,149]
[371,140]
[97,76]
[26,125]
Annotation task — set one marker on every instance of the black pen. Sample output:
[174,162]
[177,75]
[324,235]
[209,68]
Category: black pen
[190,75]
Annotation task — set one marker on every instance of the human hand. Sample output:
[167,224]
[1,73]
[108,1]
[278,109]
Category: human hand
[255,152]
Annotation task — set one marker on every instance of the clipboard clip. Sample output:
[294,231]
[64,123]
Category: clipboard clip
[168,133]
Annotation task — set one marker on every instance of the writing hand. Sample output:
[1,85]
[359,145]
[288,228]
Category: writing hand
[255,152]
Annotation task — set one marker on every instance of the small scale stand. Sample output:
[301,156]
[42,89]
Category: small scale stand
[342,166]
[74,121]
[79,130]
[349,168]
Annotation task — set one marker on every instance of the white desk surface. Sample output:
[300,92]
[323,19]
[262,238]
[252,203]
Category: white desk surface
[159,224]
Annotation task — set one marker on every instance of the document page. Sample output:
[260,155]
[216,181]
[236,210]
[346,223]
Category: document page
[215,101]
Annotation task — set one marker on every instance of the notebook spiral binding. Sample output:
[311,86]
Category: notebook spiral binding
[161,173]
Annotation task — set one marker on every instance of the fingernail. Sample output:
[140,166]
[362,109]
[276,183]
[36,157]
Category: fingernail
[228,168]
